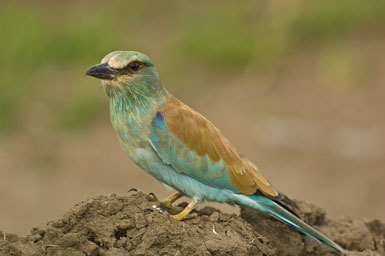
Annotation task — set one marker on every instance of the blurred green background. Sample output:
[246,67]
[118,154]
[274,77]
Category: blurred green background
[297,86]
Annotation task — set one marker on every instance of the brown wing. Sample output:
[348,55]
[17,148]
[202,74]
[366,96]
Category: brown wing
[197,133]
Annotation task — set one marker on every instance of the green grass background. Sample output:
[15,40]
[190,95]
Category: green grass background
[43,42]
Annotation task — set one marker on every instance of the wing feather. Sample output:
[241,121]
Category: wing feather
[209,153]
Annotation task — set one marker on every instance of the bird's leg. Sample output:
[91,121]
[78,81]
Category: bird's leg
[187,210]
[167,203]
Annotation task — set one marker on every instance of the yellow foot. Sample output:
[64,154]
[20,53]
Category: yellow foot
[171,199]
[183,214]
[167,203]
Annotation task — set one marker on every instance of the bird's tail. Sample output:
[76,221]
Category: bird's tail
[264,204]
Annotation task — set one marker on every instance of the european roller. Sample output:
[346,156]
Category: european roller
[181,148]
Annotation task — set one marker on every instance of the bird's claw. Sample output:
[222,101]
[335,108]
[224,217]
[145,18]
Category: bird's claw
[152,197]
[148,210]
[132,190]
[170,207]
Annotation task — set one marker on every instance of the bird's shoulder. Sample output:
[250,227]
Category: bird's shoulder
[199,134]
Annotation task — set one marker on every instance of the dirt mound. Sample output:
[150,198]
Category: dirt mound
[131,225]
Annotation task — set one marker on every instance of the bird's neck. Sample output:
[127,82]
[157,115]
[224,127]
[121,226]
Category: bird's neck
[131,113]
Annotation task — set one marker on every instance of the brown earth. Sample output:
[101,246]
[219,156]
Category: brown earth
[130,224]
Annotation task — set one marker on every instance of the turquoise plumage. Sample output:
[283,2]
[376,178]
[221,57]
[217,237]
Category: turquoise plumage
[186,161]
[181,148]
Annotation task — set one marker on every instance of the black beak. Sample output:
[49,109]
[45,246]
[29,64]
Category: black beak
[101,71]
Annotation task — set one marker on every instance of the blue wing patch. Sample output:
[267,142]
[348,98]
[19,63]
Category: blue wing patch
[184,160]
[159,116]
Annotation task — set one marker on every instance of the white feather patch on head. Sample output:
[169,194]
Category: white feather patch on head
[117,62]
[108,56]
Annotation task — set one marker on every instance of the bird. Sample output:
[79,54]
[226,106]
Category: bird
[183,149]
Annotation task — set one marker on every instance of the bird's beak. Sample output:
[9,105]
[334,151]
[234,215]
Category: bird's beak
[101,71]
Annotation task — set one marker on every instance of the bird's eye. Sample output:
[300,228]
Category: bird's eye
[135,65]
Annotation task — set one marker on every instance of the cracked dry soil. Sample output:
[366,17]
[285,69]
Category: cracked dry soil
[118,225]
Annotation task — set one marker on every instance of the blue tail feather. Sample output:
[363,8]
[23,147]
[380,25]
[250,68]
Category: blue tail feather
[266,205]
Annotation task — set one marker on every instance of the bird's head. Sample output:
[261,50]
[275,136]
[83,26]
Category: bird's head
[126,71]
